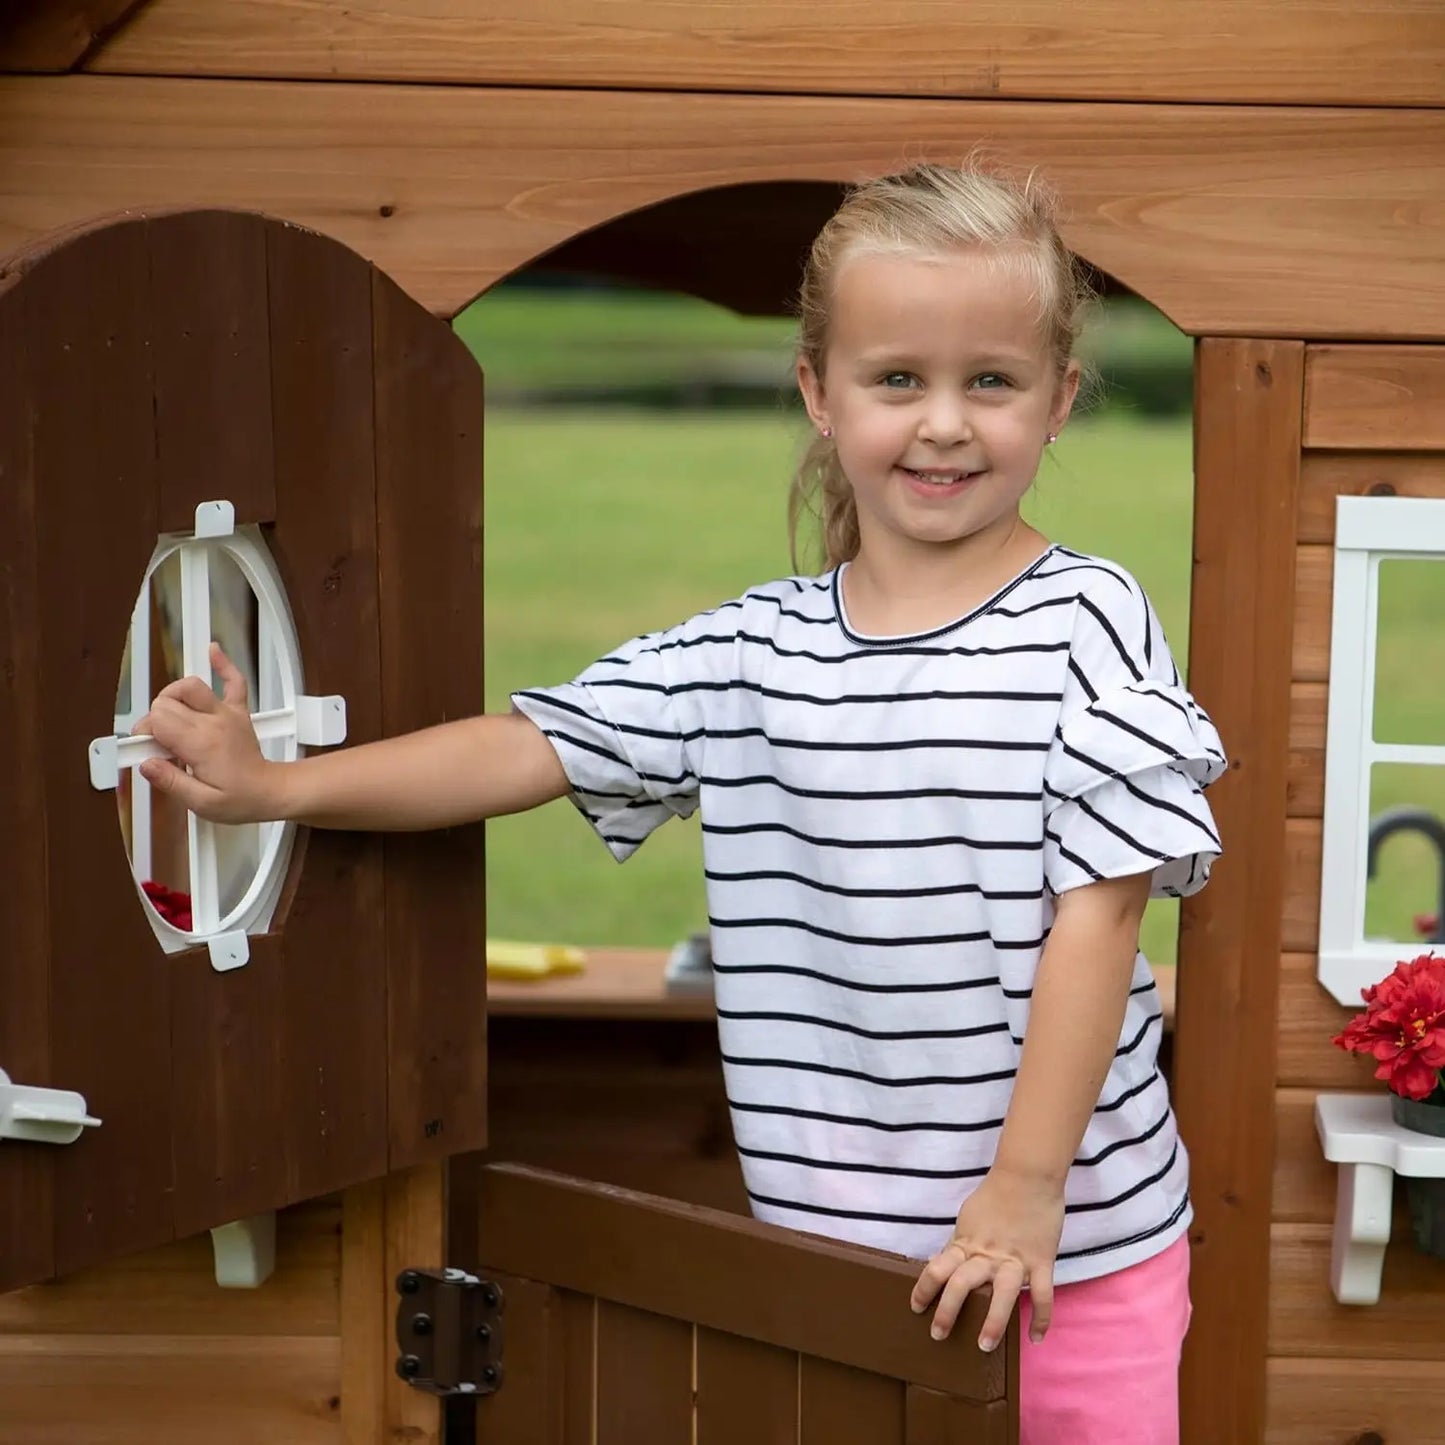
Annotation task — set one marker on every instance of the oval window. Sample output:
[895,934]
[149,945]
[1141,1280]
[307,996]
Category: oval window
[200,881]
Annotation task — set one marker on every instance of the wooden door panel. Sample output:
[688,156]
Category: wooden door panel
[656,1320]
[149,364]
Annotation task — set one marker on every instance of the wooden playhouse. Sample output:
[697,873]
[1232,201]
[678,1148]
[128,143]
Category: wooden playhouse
[234,234]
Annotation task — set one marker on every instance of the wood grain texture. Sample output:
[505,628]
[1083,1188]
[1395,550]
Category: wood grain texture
[1232,220]
[1304,1181]
[1325,475]
[428,410]
[933,1418]
[1313,605]
[1375,398]
[1247,421]
[1353,1402]
[181,1389]
[1300,906]
[841,1405]
[367,1332]
[1308,1019]
[1305,783]
[747,1393]
[687,1262]
[1388,54]
[530,1407]
[644,1376]
[416,1233]
[25,1170]
[1306,1320]
[211,360]
[164,1355]
[172,1290]
[332,924]
[87,331]
[48,36]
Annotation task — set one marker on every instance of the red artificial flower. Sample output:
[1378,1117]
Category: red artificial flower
[170,903]
[1403,1027]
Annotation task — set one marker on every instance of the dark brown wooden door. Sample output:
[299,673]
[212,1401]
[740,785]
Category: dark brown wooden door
[149,364]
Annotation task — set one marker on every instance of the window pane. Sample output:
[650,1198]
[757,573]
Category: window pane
[1406,864]
[1410,651]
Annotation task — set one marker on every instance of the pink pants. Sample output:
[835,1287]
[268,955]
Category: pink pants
[1107,1372]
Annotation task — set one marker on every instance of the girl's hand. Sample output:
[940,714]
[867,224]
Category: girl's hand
[1007,1236]
[229,781]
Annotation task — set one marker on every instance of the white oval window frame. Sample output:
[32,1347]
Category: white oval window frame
[286,721]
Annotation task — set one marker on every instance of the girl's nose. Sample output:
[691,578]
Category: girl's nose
[945,423]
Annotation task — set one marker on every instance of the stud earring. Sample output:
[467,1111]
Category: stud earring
[1053,437]
[827,432]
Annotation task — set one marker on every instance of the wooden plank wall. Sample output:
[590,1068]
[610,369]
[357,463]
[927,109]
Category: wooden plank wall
[1336,1373]
[1387,53]
[163,1354]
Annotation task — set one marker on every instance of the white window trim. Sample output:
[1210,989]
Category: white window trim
[1368,530]
[286,723]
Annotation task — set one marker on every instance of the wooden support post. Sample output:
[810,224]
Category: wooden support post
[1248,407]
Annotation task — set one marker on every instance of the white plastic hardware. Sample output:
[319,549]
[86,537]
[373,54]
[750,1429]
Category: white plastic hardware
[1357,1133]
[42,1116]
[228,951]
[320,721]
[245,1251]
[215,519]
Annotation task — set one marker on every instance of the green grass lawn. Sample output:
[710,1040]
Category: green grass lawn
[604,524]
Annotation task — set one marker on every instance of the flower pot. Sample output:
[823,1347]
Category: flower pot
[1425,1197]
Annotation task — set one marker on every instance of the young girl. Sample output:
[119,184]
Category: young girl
[938,784]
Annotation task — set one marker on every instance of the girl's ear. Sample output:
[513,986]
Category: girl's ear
[1064,395]
[810,384]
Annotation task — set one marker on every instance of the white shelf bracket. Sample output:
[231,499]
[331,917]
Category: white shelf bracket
[42,1116]
[1358,1134]
[245,1251]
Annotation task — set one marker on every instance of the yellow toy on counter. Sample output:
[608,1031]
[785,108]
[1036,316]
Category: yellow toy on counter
[509,959]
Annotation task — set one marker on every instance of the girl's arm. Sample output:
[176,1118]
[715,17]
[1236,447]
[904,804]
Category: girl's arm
[455,773]
[1008,1229]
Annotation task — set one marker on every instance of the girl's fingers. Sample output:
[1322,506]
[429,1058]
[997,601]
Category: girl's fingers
[1007,1282]
[967,1277]
[931,1280]
[166,777]
[233,683]
[191,691]
[1041,1298]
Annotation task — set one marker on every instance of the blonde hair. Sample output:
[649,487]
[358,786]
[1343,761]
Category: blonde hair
[926,210]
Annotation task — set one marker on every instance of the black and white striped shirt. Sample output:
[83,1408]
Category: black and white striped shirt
[886,822]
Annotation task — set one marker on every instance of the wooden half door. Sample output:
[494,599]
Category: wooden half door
[633,1320]
[149,365]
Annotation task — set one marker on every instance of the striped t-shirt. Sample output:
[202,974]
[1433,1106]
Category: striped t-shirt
[886,822]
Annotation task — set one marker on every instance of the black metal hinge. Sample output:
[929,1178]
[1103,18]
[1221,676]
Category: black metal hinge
[449,1332]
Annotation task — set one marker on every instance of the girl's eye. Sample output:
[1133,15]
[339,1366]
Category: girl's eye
[991,381]
[898,380]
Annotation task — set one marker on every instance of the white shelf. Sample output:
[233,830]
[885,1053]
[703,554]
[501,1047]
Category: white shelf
[1358,1134]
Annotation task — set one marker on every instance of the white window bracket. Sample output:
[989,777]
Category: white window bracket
[42,1116]
[245,1251]
[1357,1133]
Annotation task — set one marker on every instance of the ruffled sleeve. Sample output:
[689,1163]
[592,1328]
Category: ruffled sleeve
[627,731]
[1124,778]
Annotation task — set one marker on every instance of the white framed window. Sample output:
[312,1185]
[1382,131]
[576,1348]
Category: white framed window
[1382,887]
[213,884]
